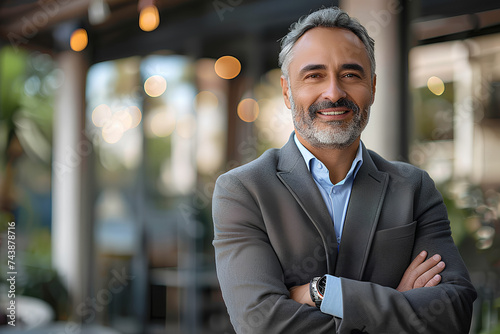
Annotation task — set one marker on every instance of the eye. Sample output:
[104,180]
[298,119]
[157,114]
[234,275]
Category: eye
[351,75]
[313,76]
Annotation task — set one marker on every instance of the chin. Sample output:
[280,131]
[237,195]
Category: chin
[334,140]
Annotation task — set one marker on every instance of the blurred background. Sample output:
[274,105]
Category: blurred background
[117,116]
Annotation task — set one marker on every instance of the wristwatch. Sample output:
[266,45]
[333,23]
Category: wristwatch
[317,289]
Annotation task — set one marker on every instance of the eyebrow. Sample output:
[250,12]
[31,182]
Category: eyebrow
[355,67]
[311,67]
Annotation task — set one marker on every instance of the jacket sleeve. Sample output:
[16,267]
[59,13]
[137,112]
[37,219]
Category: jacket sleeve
[249,272]
[445,308]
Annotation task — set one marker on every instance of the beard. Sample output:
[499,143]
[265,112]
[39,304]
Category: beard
[331,134]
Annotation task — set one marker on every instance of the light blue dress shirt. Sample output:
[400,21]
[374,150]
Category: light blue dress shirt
[336,197]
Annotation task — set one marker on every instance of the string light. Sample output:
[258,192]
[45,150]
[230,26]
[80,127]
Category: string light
[79,40]
[227,67]
[149,18]
[435,85]
[248,110]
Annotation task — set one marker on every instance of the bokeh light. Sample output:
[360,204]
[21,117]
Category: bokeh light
[149,18]
[186,126]
[123,117]
[248,110]
[227,67]
[205,99]
[136,115]
[79,40]
[160,122]
[115,122]
[435,85]
[32,85]
[101,115]
[112,132]
[155,85]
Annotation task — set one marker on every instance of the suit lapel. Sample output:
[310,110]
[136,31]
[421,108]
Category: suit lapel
[294,174]
[366,200]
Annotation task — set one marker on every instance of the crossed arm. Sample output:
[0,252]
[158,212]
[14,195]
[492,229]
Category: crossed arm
[258,300]
[420,273]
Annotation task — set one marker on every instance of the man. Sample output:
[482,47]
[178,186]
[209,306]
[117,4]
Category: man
[322,235]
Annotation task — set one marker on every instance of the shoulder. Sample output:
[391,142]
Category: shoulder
[392,166]
[400,171]
[264,167]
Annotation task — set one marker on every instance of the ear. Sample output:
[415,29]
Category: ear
[374,83]
[286,92]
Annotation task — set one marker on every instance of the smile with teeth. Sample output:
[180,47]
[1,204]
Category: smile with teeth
[333,113]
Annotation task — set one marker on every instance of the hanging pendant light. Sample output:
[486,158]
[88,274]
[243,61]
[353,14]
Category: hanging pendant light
[79,40]
[149,17]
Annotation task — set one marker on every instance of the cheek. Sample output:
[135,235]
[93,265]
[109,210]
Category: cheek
[305,96]
[361,96]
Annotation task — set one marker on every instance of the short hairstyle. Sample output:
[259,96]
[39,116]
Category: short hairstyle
[331,17]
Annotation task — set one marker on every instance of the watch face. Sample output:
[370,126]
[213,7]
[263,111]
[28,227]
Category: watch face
[322,285]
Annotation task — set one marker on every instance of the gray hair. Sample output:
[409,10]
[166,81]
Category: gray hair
[331,17]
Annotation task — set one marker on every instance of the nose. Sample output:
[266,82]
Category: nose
[333,90]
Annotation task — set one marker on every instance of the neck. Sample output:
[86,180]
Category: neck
[338,161]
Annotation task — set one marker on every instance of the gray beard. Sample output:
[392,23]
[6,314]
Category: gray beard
[338,136]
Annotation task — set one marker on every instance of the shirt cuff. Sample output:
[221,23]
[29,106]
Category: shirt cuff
[332,301]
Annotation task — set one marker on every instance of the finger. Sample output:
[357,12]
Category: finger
[438,268]
[427,265]
[429,275]
[419,259]
[433,281]
[420,272]
[417,276]
[409,276]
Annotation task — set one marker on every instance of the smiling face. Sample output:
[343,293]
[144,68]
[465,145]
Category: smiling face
[329,88]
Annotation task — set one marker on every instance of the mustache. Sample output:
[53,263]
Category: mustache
[343,102]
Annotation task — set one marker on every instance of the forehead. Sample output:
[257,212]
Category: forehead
[326,46]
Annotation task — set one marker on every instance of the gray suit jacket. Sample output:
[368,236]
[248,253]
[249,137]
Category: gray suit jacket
[273,231]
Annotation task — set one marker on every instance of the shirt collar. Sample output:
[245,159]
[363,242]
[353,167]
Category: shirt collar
[309,157]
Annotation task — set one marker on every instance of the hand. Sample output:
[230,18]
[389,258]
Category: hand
[301,294]
[422,274]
